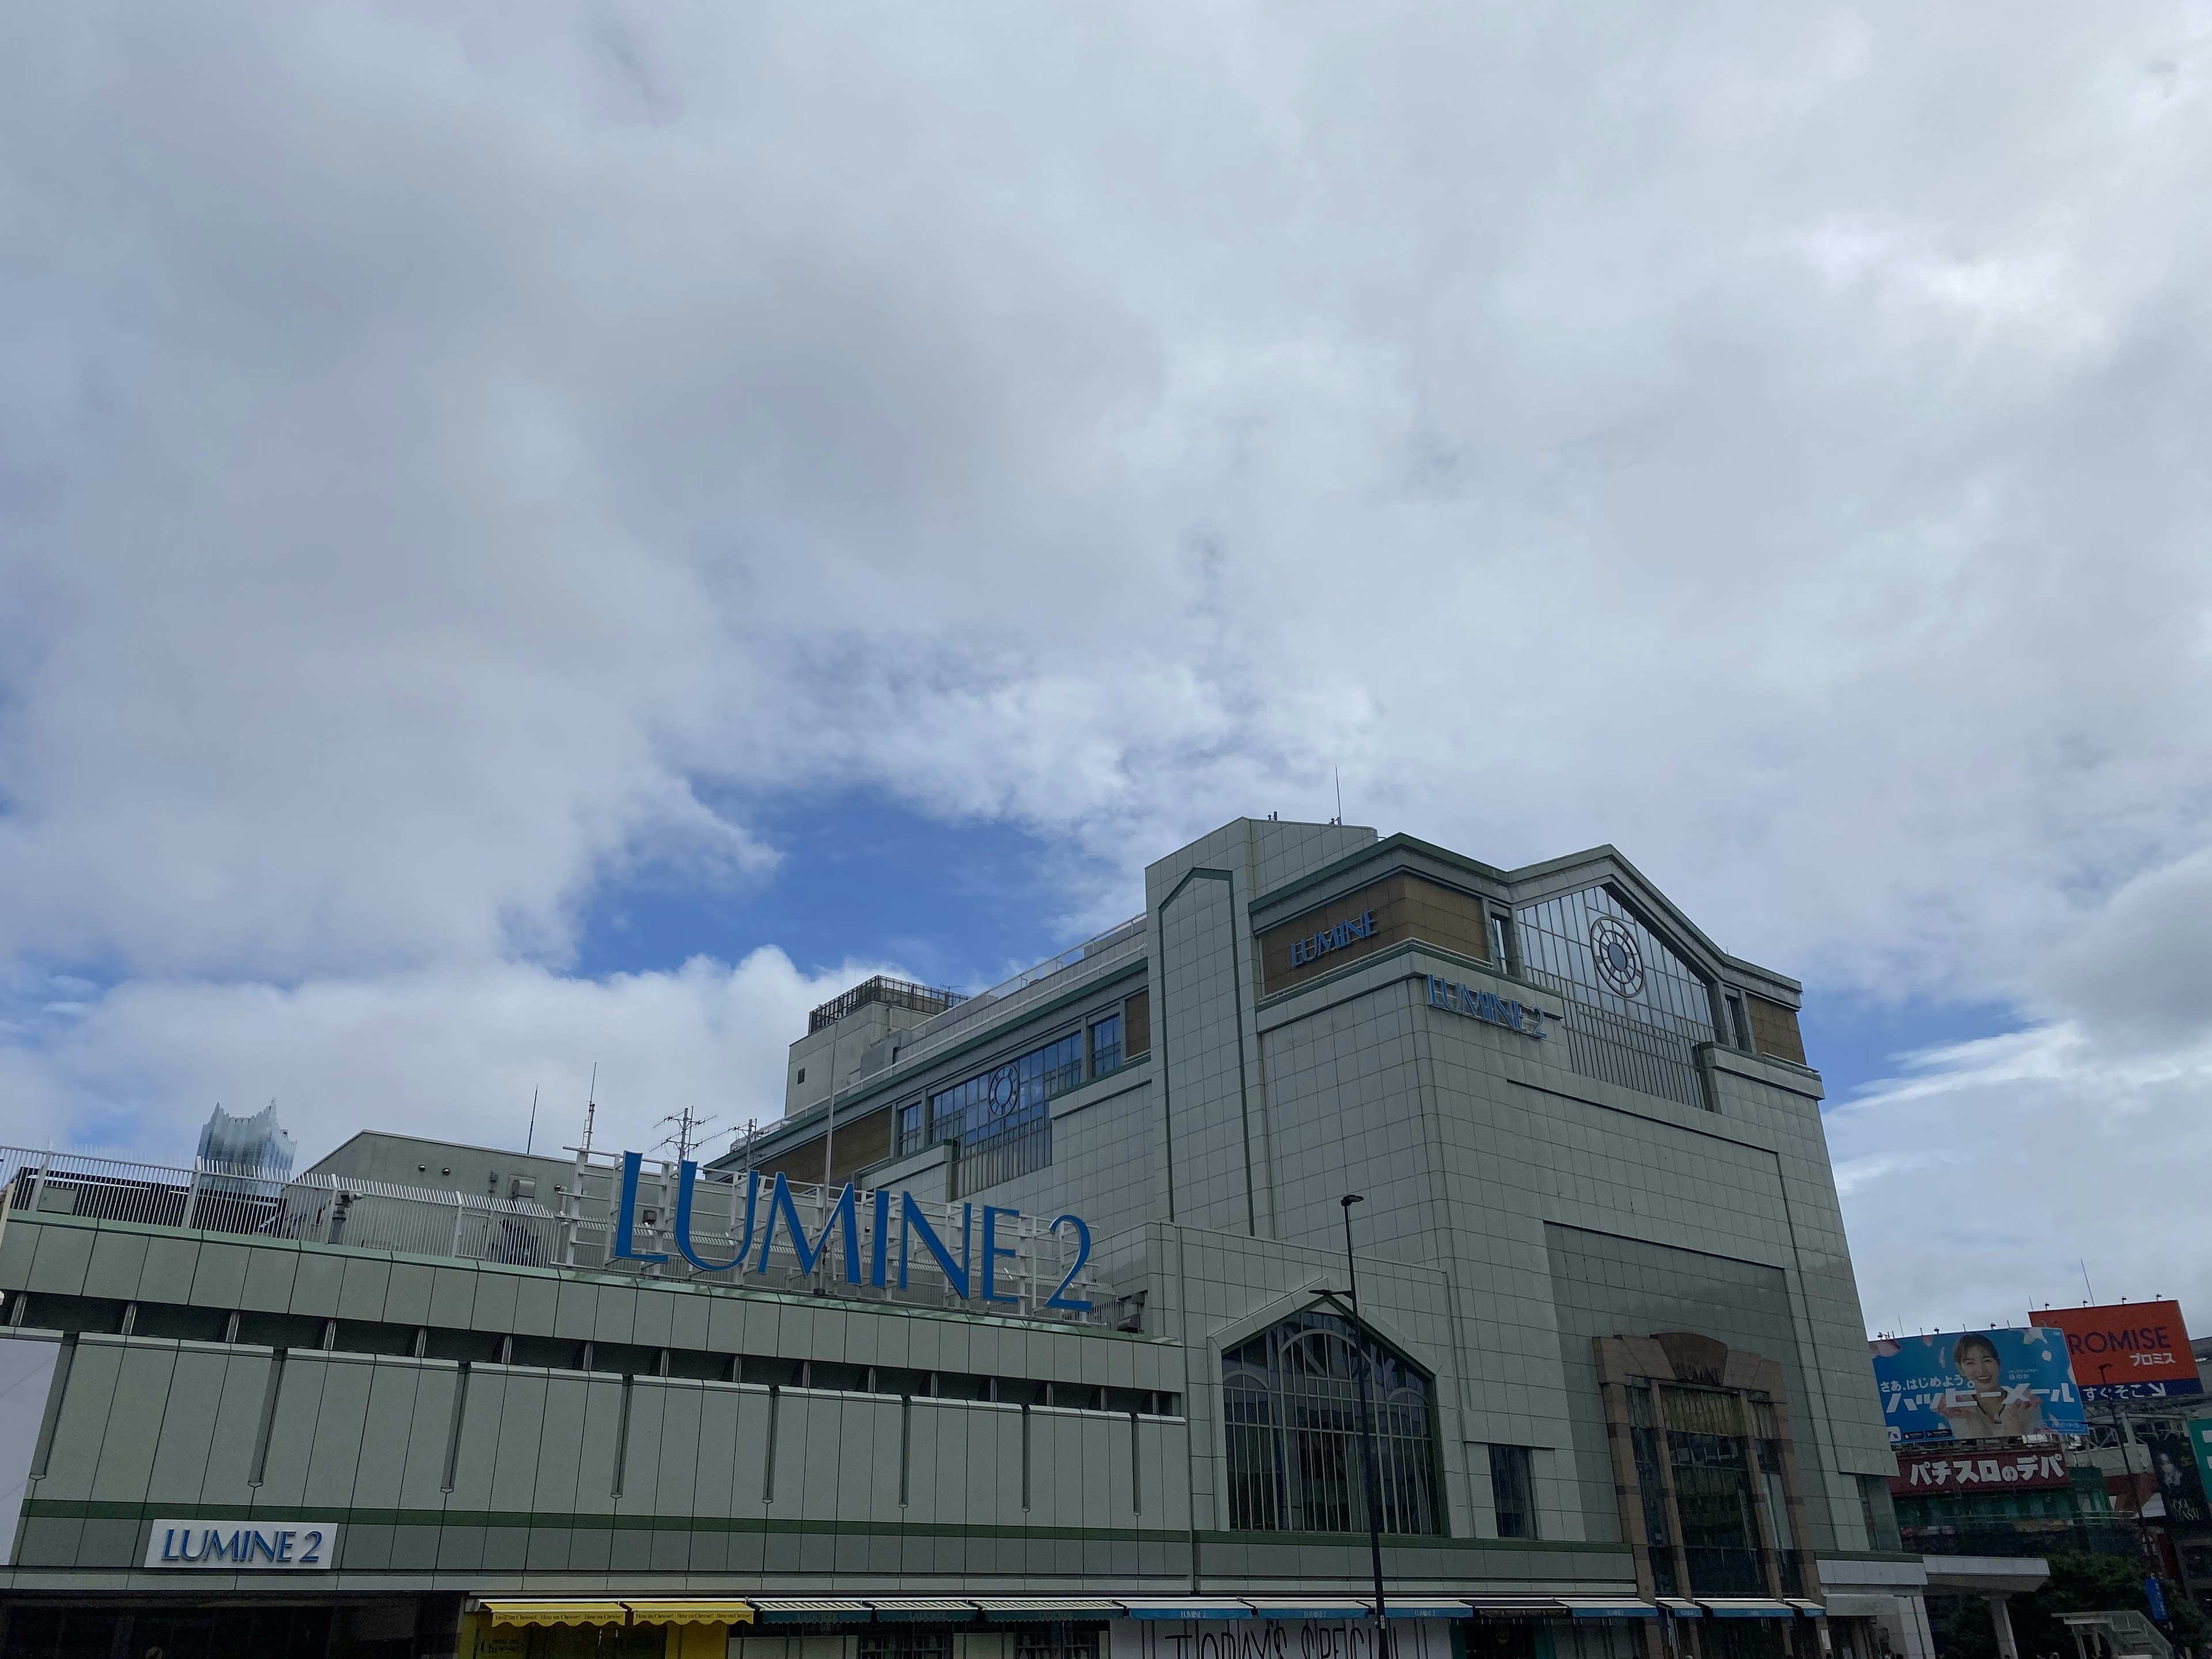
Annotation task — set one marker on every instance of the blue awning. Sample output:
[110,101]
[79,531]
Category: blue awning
[1184,1607]
[1680,1608]
[1600,1606]
[1810,1609]
[1423,1606]
[1745,1607]
[1319,1607]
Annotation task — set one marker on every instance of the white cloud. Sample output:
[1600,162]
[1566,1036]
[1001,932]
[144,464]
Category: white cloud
[440,451]
[455,1052]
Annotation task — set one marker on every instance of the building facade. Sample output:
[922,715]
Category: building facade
[1030,1324]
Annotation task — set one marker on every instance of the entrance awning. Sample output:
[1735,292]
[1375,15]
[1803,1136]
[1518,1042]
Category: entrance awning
[811,1609]
[557,1613]
[1184,1607]
[1525,1606]
[690,1613]
[1029,1609]
[1596,1607]
[1745,1607]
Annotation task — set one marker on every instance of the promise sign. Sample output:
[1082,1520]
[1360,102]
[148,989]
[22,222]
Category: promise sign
[2133,1351]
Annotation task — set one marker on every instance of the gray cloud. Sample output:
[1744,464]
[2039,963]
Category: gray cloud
[440,450]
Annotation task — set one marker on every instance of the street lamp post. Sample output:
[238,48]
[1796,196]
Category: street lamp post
[1367,1434]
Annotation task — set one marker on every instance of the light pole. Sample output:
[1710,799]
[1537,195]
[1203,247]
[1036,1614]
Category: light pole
[1367,1434]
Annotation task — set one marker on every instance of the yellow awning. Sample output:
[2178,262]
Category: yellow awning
[557,1613]
[691,1612]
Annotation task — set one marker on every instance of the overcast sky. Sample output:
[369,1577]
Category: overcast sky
[541,535]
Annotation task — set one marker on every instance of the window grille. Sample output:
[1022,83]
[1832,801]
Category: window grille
[1635,1011]
[999,1121]
[1295,1459]
[1056,1642]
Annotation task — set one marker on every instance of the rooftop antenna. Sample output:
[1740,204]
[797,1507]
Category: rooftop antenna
[2084,1278]
[1338,774]
[686,1135]
[533,1135]
[591,1106]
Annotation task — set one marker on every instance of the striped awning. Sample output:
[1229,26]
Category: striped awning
[811,1609]
[557,1613]
[1184,1607]
[690,1613]
[1745,1607]
[940,1609]
[1028,1608]
[1604,1606]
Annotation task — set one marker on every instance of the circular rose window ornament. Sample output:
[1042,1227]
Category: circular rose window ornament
[1619,962]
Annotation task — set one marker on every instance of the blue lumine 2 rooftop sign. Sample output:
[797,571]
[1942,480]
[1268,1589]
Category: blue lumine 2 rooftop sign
[887,1224]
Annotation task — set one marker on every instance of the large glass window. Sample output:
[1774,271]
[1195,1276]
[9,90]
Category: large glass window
[998,1120]
[1713,1458]
[1636,1010]
[1296,1458]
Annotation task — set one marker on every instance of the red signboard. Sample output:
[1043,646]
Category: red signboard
[1923,1473]
[2135,1350]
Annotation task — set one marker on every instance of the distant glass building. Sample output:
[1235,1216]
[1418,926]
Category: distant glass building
[256,1147]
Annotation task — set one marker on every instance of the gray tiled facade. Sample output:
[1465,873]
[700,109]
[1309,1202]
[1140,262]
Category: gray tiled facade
[1517,1207]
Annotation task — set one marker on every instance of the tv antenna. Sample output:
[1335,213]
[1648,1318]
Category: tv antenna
[591,1106]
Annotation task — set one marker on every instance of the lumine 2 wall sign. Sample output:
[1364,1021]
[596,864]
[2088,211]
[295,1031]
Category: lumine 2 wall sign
[243,1545]
[1522,1016]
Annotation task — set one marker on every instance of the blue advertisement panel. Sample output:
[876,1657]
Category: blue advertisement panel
[1977,1385]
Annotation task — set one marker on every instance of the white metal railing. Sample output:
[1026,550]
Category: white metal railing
[960,1012]
[732,1216]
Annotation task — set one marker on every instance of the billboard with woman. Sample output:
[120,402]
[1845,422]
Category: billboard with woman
[1977,1385]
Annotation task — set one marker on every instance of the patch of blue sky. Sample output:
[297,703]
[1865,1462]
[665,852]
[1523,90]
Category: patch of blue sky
[1854,1039]
[860,877]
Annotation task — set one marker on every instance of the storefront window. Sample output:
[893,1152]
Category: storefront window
[1295,1459]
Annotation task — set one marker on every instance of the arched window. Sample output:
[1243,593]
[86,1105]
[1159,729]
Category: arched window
[1290,1399]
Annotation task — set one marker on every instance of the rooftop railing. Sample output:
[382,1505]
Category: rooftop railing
[733,1216]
